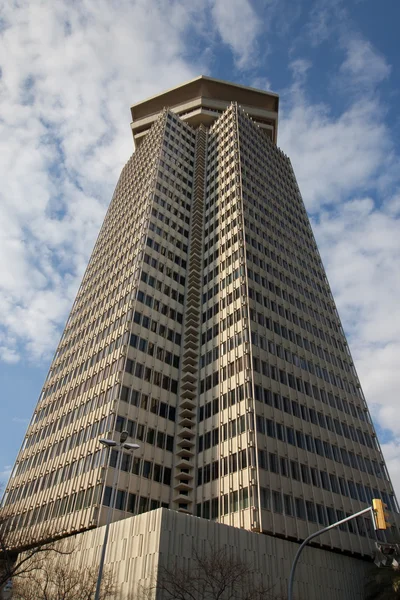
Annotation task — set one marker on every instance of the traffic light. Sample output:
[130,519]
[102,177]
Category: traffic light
[380,514]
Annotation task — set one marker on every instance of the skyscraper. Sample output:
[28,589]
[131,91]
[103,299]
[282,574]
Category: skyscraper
[206,328]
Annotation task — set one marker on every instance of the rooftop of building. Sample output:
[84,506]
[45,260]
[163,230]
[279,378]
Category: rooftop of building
[202,100]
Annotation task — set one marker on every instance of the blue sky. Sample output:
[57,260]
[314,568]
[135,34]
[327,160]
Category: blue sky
[69,72]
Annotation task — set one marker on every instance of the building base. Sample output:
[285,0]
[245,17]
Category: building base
[138,545]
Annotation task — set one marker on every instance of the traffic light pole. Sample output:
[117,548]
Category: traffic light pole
[317,533]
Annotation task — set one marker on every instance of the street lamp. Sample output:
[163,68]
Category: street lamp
[121,445]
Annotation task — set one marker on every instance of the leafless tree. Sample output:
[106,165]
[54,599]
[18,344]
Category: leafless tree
[23,555]
[56,579]
[214,575]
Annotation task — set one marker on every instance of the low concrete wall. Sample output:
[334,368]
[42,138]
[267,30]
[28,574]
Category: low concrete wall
[137,545]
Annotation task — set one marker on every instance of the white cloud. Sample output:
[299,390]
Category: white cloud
[391,452]
[239,26]
[335,156]
[324,19]
[69,74]
[363,66]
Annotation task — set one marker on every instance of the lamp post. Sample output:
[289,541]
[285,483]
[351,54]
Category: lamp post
[121,445]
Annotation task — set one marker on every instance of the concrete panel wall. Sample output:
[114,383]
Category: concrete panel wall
[139,544]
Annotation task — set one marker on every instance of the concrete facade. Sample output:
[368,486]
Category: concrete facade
[138,545]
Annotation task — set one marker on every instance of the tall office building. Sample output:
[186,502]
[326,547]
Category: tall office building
[206,328]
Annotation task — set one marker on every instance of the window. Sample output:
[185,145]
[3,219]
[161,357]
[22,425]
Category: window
[311,513]
[277,502]
[300,509]
[288,505]
[265,498]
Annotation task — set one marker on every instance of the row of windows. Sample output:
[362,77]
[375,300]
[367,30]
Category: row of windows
[226,431]
[288,209]
[229,370]
[74,469]
[285,434]
[284,250]
[89,405]
[89,362]
[285,504]
[176,173]
[156,304]
[225,264]
[228,227]
[272,189]
[85,332]
[265,395]
[228,321]
[154,326]
[290,380]
[271,287]
[84,386]
[221,133]
[219,210]
[257,188]
[156,264]
[222,467]
[77,438]
[142,468]
[253,189]
[181,164]
[177,199]
[310,415]
[302,342]
[295,437]
[155,283]
[231,343]
[131,396]
[223,247]
[104,289]
[223,283]
[140,371]
[131,503]
[313,512]
[321,479]
[153,350]
[220,434]
[230,398]
[293,258]
[151,436]
[74,414]
[104,332]
[278,258]
[263,265]
[180,129]
[158,214]
[60,507]
[223,202]
[174,184]
[175,148]
[166,235]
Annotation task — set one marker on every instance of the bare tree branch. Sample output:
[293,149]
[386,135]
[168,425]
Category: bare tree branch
[214,575]
[23,556]
[57,580]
